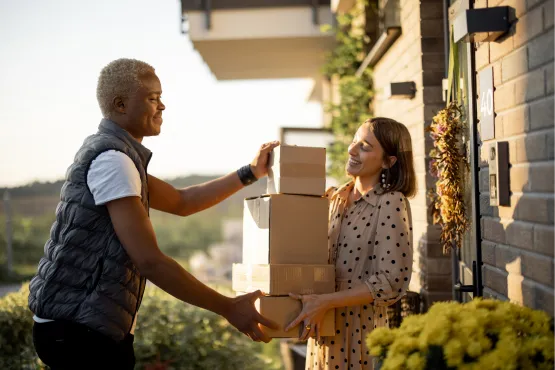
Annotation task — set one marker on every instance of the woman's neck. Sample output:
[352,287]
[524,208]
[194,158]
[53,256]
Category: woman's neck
[364,184]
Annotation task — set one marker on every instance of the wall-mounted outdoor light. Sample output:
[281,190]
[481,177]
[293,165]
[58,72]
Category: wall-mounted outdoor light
[481,25]
[400,90]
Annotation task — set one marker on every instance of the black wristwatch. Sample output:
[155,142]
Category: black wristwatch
[245,175]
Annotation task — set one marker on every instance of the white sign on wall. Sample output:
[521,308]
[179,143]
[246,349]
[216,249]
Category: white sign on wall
[487,111]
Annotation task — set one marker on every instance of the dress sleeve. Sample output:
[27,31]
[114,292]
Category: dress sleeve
[391,262]
[328,194]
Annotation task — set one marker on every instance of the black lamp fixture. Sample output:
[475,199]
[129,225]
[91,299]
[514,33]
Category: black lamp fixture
[400,90]
[481,25]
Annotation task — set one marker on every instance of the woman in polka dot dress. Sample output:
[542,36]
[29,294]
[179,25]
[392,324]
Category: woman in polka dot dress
[370,243]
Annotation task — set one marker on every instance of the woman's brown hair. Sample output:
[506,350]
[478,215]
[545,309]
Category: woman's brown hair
[394,137]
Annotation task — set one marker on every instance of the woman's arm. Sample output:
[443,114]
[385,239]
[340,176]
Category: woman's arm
[391,263]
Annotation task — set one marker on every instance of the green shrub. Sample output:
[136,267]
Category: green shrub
[16,328]
[355,91]
[170,335]
[189,338]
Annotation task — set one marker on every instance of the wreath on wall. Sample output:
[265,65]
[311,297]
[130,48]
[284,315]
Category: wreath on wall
[448,162]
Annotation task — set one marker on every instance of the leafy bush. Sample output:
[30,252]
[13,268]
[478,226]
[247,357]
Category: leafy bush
[29,234]
[188,338]
[355,91]
[481,334]
[170,335]
[16,328]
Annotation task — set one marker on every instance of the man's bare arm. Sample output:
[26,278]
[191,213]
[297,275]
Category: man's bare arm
[135,232]
[183,202]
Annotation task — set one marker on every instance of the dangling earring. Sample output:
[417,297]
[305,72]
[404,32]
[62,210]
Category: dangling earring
[385,179]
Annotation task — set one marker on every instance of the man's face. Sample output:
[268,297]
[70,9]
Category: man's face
[144,108]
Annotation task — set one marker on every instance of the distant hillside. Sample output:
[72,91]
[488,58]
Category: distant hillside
[38,198]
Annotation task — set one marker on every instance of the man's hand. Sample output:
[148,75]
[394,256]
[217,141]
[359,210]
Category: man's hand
[259,165]
[244,316]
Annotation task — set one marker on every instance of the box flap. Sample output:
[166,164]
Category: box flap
[256,229]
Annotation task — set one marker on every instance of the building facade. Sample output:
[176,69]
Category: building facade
[508,252]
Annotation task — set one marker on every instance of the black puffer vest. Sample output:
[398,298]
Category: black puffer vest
[86,276]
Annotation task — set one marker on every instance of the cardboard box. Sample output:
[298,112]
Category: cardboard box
[297,170]
[284,279]
[285,229]
[283,310]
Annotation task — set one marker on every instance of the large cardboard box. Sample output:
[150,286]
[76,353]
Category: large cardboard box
[283,310]
[297,170]
[284,279]
[285,229]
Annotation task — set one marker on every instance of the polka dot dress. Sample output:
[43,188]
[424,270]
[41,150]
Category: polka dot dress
[370,243]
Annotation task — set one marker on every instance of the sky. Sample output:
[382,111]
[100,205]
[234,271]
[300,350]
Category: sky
[51,53]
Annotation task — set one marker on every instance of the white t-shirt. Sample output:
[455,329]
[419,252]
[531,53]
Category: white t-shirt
[112,175]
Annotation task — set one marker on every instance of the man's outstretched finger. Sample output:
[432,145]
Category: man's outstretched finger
[250,336]
[255,295]
[267,322]
[260,335]
[272,145]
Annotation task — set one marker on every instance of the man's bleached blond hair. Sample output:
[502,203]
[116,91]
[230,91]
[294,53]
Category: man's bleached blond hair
[119,78]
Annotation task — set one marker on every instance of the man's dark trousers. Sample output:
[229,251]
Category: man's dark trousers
[64,345]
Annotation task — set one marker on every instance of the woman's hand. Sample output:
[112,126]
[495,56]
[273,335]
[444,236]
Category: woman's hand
[312,315]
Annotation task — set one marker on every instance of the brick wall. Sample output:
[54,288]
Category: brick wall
[421,44]
[517,245]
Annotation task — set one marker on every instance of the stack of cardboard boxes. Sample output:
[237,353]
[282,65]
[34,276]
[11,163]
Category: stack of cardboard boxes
[285,239]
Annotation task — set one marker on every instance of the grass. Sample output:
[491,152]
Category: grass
[20,274]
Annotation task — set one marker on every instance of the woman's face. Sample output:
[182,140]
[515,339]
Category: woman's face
[365,154]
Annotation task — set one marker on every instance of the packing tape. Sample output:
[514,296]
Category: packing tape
[248,276]
[302,170]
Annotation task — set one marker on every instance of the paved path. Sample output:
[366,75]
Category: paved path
[8,288]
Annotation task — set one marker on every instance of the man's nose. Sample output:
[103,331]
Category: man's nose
[161,106]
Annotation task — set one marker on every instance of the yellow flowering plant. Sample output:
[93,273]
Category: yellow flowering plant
[481,334]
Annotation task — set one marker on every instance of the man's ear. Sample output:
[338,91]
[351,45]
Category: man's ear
[119,104]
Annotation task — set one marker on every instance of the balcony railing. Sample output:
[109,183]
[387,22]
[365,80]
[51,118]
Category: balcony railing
[201,5]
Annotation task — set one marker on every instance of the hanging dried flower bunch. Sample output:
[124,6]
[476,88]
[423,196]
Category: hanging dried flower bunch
[447,165]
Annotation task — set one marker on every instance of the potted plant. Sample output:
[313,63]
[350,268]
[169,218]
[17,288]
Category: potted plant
[482,334]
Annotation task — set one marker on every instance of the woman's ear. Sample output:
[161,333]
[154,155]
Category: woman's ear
[392,160]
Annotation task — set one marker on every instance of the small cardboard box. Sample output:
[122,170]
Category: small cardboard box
[283,310]
[285,229]
[284,279]
[297,170]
